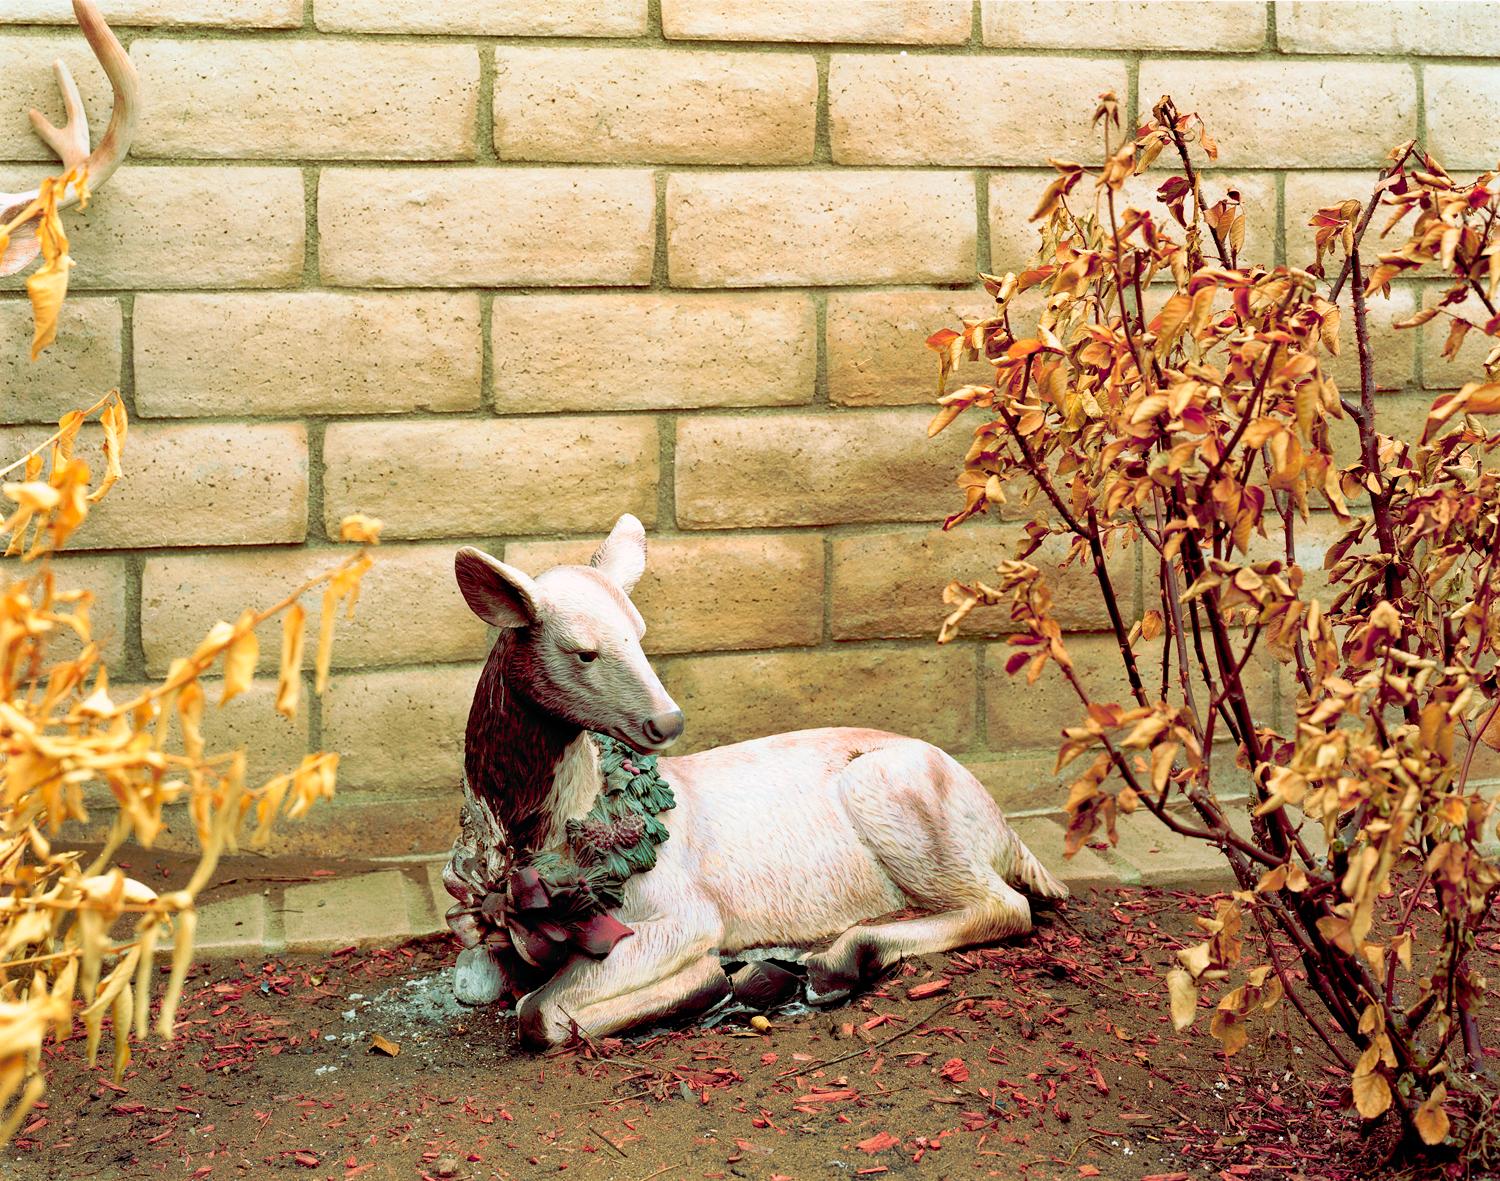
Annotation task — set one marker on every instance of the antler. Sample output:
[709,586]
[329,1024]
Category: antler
[71,141]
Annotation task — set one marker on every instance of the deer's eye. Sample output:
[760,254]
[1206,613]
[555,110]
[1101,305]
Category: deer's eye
[587,657]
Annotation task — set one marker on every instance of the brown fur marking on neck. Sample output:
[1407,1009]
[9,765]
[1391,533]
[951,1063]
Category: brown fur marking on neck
[512,746]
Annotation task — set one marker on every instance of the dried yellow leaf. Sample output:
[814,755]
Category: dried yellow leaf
[358,527]
[293,635]
[240,659]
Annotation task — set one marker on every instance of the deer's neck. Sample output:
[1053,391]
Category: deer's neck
[533,770]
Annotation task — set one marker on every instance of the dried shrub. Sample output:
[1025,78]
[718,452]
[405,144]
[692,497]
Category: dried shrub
[63,953]
[1199,415]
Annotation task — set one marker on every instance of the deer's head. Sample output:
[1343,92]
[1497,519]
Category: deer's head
[575,638]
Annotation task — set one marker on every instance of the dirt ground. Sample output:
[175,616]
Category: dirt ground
[1048,1057]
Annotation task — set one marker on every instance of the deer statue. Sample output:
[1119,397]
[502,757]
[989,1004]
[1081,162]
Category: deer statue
[789,840]
[71,142]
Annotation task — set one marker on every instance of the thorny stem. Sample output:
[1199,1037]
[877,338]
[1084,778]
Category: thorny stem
[1091,535]
[1289,534]
[1489,717]
[1245,419]
[1288,987]
[1034,466]
[1192,176]
[1222,835]
[1106,585]
[1364,221]
[1474,283]
[1369,445]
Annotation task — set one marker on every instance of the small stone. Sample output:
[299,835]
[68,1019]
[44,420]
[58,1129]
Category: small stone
[478,978]
[447,1166]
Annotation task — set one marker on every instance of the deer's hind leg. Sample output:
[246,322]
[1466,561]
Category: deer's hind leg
[939,844]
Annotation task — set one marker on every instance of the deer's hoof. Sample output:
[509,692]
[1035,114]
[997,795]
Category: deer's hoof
[540,1027]
[478,978]
[828,983]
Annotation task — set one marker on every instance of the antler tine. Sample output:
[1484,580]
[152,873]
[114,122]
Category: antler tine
[122,77]
[71,142]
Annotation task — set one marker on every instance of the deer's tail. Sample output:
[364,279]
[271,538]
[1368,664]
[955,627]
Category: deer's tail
[1018,866]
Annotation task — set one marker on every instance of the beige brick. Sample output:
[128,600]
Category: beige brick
[1226,25]
[324,98]
[1388,27]
[892,22]
[1447,373]
[1015,239]
[514,18]
[1291,114]
[925,109]
[439,901]
[1401,416]
[82,364]
[891,584]
[1160,857]
[667,351]
[409,607]
[654,105]
[169,226]
[1023,784]
[400,728]
[306,352]
[737,696]
[26,81]
[1083,871]
[1460,133]
[792,228]
[352,825]
[876,350]
[106,578]
[220,484]
[807,469]
[478,478]
[358,824]
[360,910]
[1022,716]
[273,744]
[1310,541]
[1391,348]
[237,14]
[486,227]
[706,594]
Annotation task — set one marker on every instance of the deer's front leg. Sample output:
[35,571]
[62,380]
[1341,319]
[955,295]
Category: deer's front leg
[666,967]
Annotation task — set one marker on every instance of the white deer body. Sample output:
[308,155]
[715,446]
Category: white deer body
[789,840]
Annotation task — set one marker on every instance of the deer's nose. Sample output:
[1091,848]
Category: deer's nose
[663,728]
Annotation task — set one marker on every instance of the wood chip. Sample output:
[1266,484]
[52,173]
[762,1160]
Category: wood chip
[383,1045]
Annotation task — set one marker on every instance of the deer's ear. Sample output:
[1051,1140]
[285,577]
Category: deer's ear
[622,557]
[499,594]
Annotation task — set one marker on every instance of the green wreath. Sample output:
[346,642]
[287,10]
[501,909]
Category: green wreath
[540,908]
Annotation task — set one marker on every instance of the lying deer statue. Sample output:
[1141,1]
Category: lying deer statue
[783,841]
[71,142]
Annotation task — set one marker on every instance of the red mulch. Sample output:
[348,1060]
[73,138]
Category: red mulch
[1051,1056]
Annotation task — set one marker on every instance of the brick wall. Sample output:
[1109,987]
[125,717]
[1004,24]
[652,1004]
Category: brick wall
[497,272]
